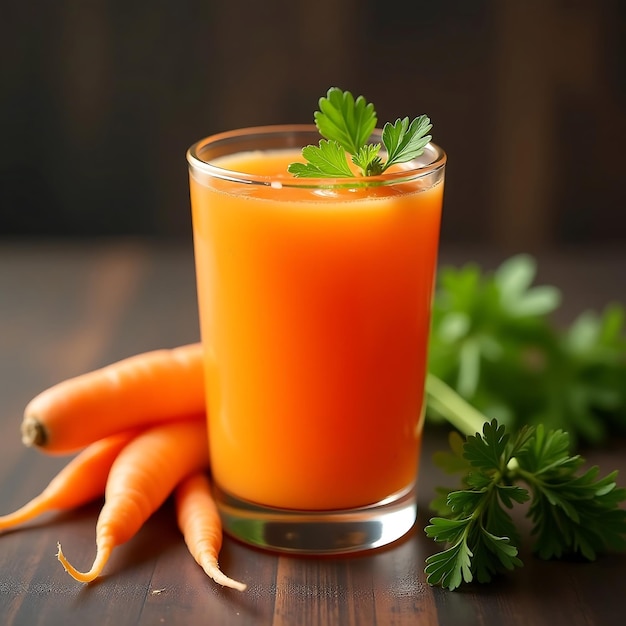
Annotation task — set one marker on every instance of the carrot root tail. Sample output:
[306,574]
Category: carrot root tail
[214,572]
[102,556]
[24,514]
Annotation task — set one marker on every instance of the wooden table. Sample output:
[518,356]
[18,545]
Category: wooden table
[66,309]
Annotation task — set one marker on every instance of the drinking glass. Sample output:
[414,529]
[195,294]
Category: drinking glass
[314,299]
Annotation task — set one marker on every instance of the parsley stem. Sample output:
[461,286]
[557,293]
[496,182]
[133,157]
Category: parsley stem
[447,402]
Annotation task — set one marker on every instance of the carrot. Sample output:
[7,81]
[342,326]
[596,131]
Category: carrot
[82,480]
[142,476]
[199,521]
[143,389]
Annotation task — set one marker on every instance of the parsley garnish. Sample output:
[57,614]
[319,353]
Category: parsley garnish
[347,125]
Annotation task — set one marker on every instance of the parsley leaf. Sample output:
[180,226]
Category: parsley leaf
[572,513]
[368,160]
[405,141]
[345,120]
[347,124]
[483,539]
[327,159]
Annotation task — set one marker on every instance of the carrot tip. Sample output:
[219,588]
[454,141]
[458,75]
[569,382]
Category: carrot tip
[212,570]
[33,432]
[84,577]
[27,512]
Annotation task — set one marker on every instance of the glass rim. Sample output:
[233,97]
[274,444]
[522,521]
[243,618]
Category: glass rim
[437,162]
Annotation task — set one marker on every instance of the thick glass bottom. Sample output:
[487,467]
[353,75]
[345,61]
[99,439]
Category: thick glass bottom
[318,532]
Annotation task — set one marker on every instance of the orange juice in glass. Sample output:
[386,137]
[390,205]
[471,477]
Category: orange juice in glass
[314,299]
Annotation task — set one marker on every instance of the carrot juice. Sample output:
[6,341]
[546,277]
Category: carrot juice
[314,302]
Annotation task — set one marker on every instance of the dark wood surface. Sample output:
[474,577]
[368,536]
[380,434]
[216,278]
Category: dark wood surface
[66,309]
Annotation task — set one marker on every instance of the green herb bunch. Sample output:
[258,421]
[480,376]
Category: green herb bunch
[495,351]
[572,512]
[493,340]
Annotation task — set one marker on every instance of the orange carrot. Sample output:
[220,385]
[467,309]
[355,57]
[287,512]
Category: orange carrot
[199,521]
[143,475]
[82,480]
[143,389]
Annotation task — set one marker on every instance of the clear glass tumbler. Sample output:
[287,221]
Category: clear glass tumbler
[314,299]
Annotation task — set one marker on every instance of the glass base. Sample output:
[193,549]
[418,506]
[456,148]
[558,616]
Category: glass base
[318,532]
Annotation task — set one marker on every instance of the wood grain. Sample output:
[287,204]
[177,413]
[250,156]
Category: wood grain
[68,309]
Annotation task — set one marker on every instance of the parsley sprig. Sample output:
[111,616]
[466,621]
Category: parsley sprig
[494,341]
[572,513]
[526,393]
[346,124]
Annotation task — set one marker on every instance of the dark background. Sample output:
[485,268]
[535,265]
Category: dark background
[100,99]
